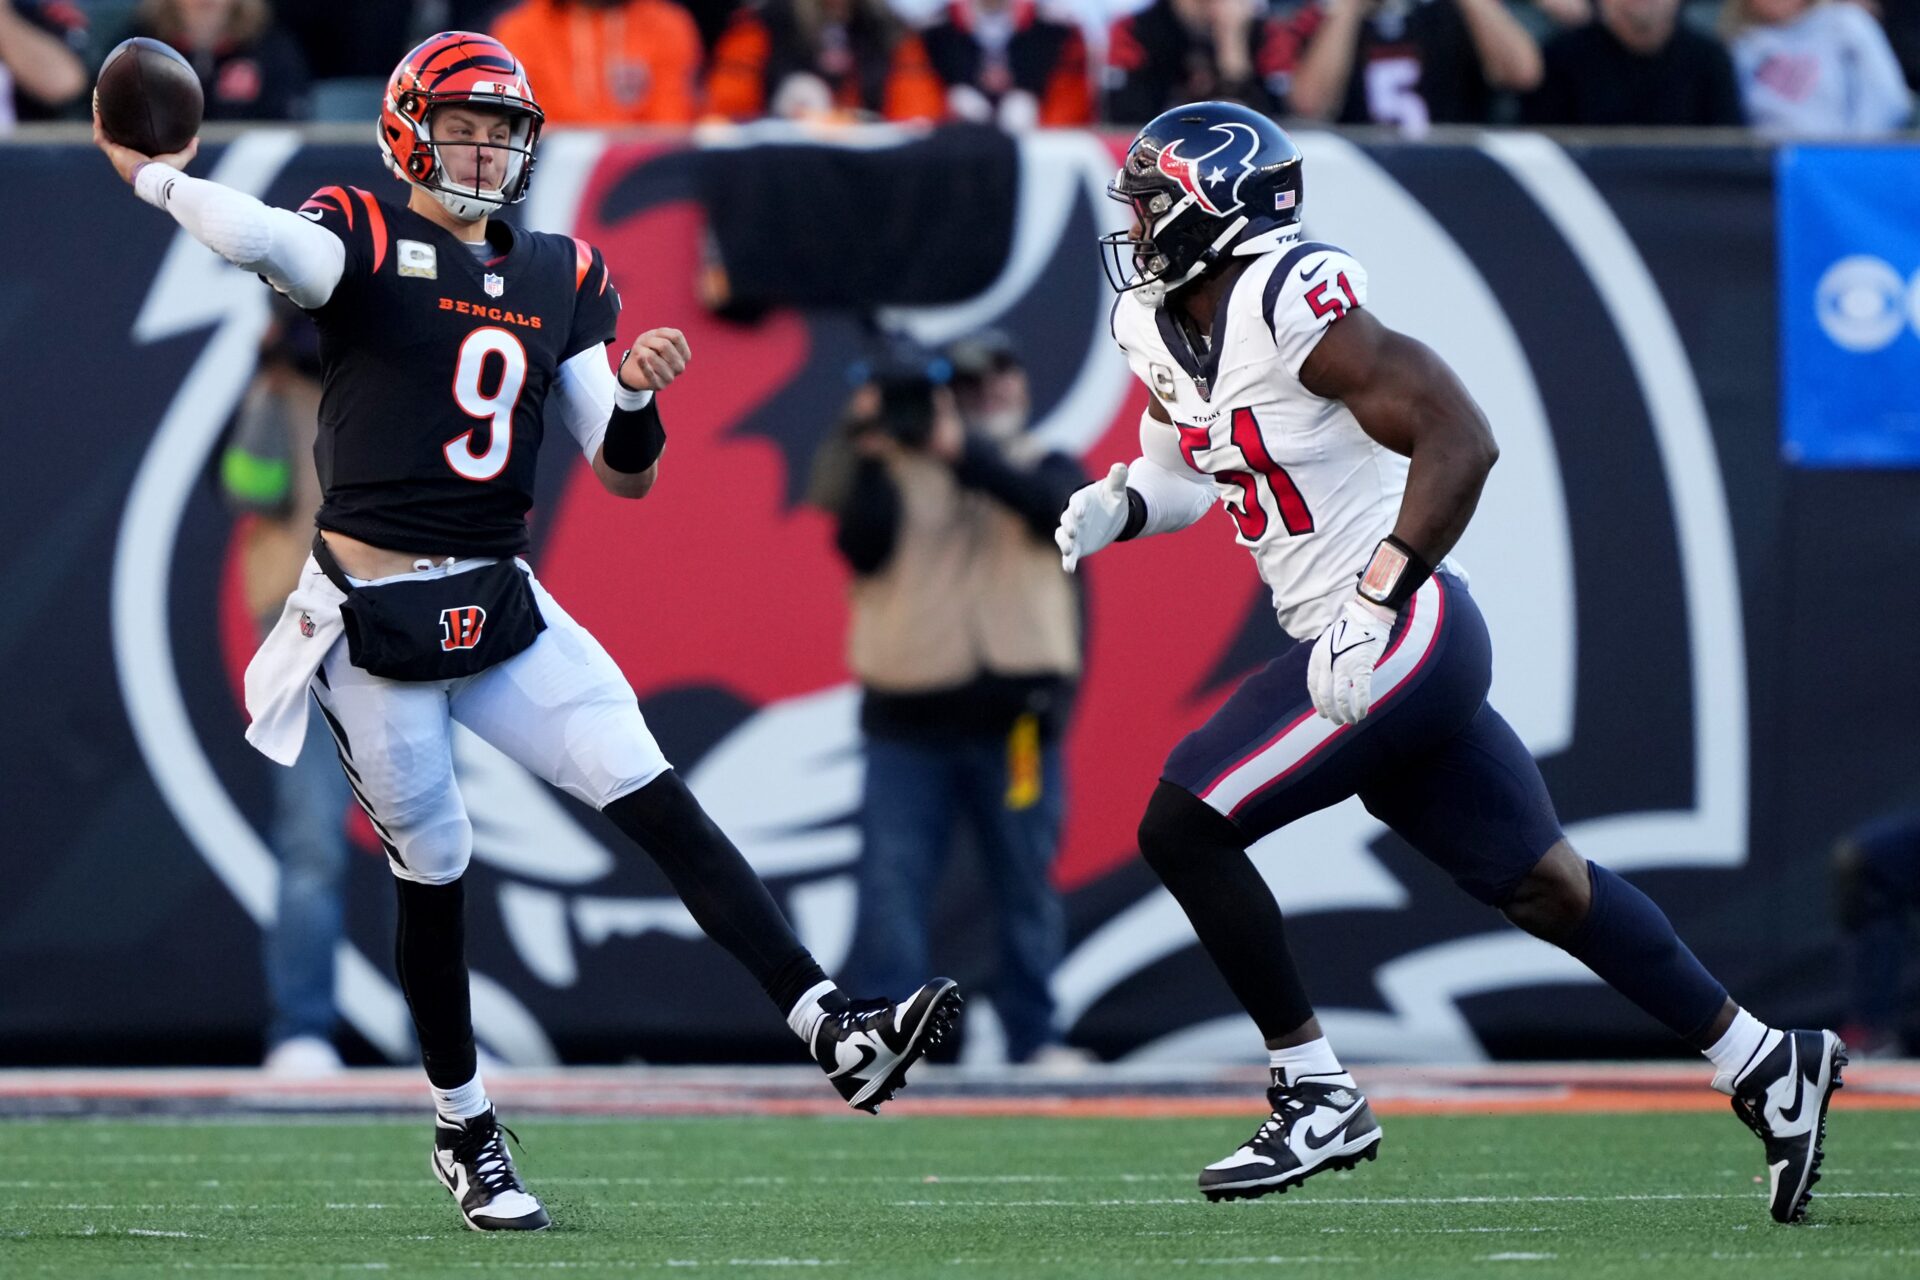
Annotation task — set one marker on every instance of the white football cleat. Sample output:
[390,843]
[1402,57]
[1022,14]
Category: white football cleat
[471,1161]
[1782,1095]
[1316,1124]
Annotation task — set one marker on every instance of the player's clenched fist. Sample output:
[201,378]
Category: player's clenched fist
[1340,668]
[655,359]
[1094,517]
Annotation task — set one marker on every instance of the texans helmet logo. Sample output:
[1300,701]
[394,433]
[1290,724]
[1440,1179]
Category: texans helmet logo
[1213,179]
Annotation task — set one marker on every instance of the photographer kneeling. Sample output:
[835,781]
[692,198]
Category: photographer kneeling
[965,637]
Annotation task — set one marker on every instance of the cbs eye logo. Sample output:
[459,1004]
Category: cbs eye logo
[1863,303]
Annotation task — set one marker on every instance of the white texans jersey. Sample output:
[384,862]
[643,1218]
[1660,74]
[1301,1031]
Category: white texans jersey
[1308,491]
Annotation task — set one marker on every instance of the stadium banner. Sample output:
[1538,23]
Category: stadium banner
[1658,583]
[1849,307]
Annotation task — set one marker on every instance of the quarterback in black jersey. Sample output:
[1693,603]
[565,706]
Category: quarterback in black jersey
[448,339]
[504,313]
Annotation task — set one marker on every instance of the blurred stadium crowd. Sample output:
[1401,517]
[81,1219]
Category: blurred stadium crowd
[1785,67]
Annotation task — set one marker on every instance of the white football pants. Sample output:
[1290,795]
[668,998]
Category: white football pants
[560,709]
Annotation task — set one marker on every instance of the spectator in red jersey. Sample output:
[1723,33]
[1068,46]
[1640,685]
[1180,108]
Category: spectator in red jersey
[809,58]
[1181,51]
[1638,65]
[1408,63]
[249,68]
[1001,62]
[41,72]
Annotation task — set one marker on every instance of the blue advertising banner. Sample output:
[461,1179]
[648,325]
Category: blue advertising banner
[1850,306]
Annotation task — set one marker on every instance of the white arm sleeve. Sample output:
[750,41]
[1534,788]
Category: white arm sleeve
[1176,495]
[299,258]
[585,393]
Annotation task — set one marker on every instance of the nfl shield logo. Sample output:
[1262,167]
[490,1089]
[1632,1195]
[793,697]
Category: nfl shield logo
[493,284]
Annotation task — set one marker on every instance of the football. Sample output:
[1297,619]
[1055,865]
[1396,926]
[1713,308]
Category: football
[148,97]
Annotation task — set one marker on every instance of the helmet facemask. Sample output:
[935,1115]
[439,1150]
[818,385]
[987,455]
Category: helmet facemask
[1139,265]
[471,202]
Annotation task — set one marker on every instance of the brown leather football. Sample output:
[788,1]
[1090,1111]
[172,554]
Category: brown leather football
[148,97]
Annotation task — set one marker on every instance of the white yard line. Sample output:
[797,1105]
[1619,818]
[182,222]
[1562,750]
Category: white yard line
[911,1178]
[1316,1201]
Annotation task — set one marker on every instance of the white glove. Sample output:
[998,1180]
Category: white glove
[1094,517]
[1340,668]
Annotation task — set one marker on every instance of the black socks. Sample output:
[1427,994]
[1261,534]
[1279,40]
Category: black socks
[722,891]
[1201,857]
[430,956]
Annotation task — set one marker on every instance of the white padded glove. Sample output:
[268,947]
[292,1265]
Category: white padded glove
[1340,668]
[1094,517]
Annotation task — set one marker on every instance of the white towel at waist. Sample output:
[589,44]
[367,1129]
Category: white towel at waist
[281,670]
[309,626]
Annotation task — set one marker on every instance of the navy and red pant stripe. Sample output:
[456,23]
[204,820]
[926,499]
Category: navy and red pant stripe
[1432,760]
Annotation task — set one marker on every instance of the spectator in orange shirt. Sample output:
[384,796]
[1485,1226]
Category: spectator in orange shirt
[607,62]
[801,58]
[1002,62]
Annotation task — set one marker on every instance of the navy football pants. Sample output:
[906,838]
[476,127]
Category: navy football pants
[1431,760]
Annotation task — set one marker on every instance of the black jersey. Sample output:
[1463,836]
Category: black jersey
[437,365]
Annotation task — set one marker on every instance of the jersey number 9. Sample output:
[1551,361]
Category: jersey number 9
[497,408]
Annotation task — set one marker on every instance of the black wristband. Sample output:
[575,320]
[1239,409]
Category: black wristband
[1393,574]
[634,438]
[1136,517]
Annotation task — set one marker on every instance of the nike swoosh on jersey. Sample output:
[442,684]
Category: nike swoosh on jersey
[1308,275]
[1316,1142]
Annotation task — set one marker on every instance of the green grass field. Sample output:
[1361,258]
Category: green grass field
[1626,1195]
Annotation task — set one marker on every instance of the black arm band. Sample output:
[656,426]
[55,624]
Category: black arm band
[1136,517]
[634,438]
[1394,573]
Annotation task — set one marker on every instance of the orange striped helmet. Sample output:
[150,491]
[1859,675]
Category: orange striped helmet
[461,68]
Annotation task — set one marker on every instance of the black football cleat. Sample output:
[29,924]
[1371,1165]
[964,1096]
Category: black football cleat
[865,1049]
[1315,1126]
[1782,1096]
[471,1160]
